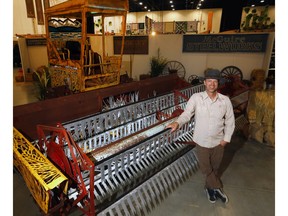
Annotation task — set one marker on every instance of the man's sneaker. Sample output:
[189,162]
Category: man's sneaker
[210,195]
[221,195]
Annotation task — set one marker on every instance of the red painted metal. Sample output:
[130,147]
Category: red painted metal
[53,144]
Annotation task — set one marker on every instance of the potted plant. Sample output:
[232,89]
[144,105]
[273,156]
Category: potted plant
[42,81]
[157,64]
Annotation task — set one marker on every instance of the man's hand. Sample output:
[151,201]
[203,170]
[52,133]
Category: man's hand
[174,126]
[223,143]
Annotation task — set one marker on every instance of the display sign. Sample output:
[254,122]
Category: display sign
[36,42]
[225,43]
[132,44]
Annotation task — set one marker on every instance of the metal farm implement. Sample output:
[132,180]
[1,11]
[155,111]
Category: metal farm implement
[118,162]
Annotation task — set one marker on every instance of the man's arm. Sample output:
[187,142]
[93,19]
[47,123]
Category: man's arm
[185,116]
[229,122]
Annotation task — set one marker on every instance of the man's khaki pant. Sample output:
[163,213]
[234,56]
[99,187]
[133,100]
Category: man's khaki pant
[209,161]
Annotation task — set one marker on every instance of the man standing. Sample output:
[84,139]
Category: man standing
[214,126]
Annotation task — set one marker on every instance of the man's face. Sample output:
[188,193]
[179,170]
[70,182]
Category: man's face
[211,85]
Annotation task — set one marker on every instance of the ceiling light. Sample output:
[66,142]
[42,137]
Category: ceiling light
[252,5]
[140,3]
[171,2]
[262,1]
[172,5]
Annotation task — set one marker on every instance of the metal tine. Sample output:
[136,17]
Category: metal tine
[169,179]
[154,157]
[121,179]
[193,161]
[158,152]
[130,172]
[164,183]
[103,193]
[170,148]
[163,153]
[110,211]
[175,175]
[180,171]
[137,202]
[188,166]
[167,150]
[158,185]
[134,170]
[190,136]
[110,183]
[185,169]
[150,158]
[126,211]
[154,192]
[181,140]
[131,168]
[138,166]
[115,181]
[107,187]
[171,175]
[98,197]
[127,174]
[141,197]
[186,138]
[145,162]
[118,210]
[148,200]
[142,156]
[131,206]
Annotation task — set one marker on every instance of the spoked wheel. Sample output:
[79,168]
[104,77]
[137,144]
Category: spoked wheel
[231,71]
[174,67]
[192,78]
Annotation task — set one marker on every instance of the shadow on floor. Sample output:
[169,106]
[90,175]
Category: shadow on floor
[237,142]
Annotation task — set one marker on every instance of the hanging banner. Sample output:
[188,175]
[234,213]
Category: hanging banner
[225,43]
[30,8]
[132,44]
[39,11]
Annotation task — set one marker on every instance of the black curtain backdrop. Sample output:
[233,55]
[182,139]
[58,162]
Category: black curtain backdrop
[231,14]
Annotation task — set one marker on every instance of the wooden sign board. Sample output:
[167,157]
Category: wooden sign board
[225,43]
[132,45]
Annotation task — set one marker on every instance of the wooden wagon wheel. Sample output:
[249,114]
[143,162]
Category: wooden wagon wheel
[191,78]
[231,71]
[174,67]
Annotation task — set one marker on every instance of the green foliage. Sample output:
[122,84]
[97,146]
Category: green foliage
[157,64]
[255,20]
[42,81]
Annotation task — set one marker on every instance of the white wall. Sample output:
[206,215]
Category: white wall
[22,24]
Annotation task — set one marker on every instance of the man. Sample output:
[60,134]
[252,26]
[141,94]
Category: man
[214,126]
